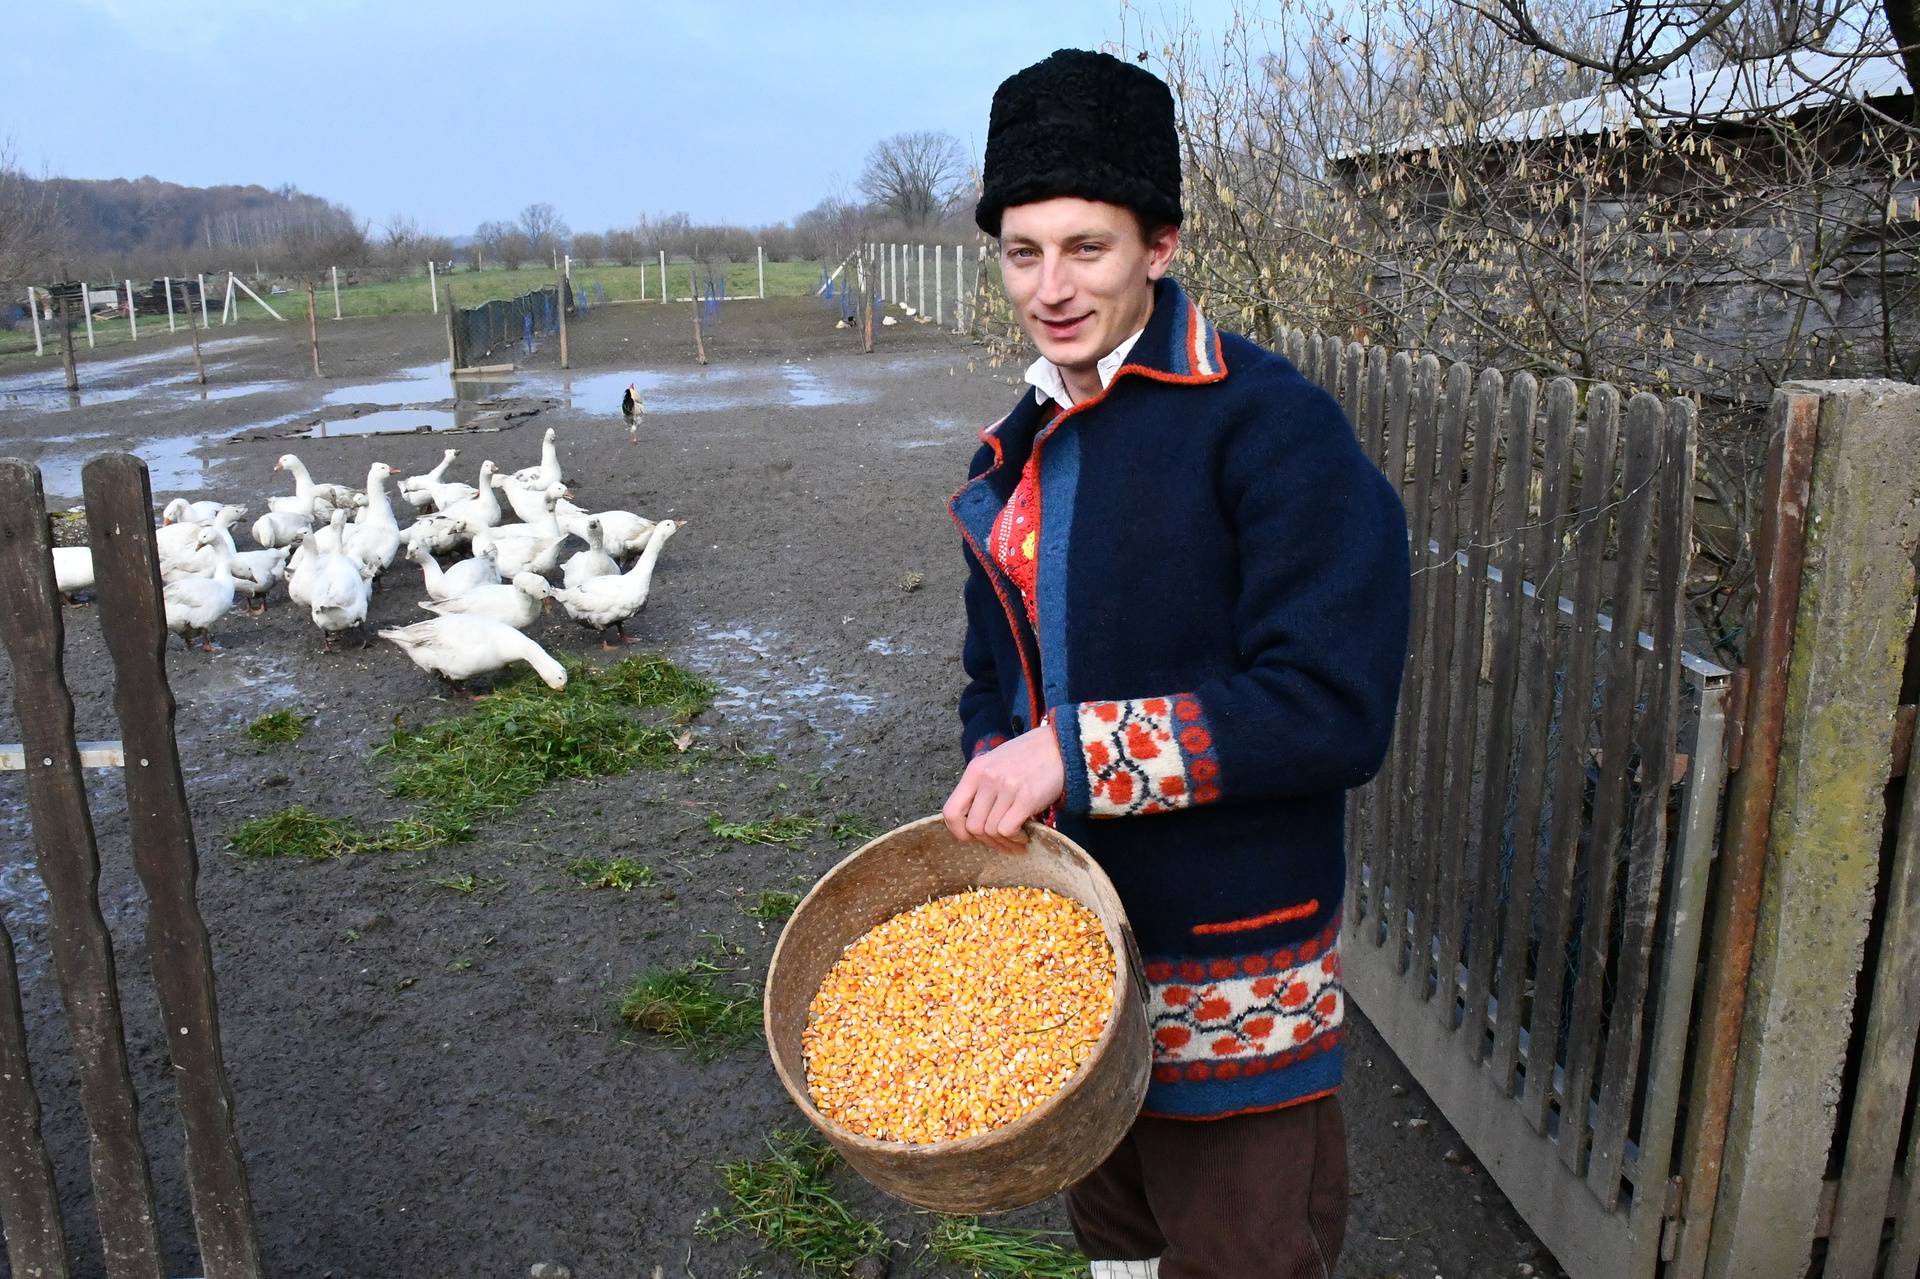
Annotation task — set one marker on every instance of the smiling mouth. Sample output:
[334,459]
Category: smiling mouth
[1061,328]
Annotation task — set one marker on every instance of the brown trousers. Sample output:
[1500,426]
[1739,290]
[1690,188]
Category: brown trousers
[1260,1196]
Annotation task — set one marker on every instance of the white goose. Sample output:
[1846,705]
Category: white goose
[517,603]
[196,603]
[592,562]
[181,511]
[337,591]
[374,537]
[461,648]
[281,528]
[444,584]
[622,533]
[528,501]
[480,511]
[547,473]
[314,500]
[525,547]
[180,551]
[418,489]
[441,534]
[610,602]
[72,569]
[255,572]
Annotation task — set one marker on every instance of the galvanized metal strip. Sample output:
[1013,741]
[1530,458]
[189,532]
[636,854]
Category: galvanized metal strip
[13,756]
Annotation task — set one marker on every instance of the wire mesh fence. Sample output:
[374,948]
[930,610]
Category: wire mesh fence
[478,332]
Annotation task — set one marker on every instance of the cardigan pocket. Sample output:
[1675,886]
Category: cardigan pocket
[1266,919]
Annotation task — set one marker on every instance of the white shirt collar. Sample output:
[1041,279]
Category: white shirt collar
[1050,384]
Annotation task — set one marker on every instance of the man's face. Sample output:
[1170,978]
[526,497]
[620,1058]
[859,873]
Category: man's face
[1079,275]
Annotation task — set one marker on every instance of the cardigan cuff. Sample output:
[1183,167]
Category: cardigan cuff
[1138,756]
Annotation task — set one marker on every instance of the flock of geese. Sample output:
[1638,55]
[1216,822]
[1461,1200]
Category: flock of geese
[330,544]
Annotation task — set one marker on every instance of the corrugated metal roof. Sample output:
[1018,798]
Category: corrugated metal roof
[1792,82]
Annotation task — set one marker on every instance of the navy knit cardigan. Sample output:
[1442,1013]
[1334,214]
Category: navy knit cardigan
[1222,597]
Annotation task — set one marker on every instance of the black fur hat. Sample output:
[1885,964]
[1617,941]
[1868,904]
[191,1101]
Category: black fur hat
[1082,124]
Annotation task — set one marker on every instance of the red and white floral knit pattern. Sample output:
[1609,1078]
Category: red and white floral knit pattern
[1229,1018]
[1147,755]
[1015,540]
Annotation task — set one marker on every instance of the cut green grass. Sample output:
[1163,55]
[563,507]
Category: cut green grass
[488,761]
[787,1200]
[622,873]
[692,1007]
[277,728]
[852,828]
[787,830]
[466,885]
[1005,1254]
[774,905]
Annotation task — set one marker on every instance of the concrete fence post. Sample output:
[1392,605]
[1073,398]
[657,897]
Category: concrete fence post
[1856,607]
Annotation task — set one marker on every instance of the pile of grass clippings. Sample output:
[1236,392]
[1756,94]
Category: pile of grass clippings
[787,1200]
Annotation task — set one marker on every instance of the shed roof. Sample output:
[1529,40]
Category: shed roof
[1733,91]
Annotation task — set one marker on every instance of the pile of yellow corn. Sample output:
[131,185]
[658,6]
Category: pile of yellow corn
[957,1017]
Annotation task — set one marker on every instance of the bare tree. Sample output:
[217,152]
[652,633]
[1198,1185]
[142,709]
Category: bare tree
[545,230]
[915,176]
[589,246]
[30,225]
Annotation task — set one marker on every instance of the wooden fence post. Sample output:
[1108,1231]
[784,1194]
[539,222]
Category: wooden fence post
[33,310]
[923,279]
[939,276]
[1856,608]
[699,338]
[193,333]
[133,315]
[86,310]
[560,305]
[119,515]
[454,357]
[166,282]
[69,864]
[433,286]
[66,345]
[663,278]
[313,331]
[760,254]
[336,293]
[206,316]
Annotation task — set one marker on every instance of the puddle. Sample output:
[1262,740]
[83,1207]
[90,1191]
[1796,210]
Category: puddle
[920,444]
[173,462]
[807,389]
[397,422]
[45,389]
[422,384]
[762,682]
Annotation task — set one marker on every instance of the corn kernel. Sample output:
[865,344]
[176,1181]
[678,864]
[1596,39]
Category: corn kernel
[958,1016]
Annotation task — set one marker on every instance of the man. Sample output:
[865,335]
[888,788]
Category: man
[1186,622]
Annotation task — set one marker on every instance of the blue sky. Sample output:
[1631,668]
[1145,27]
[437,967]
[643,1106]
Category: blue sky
[460,112]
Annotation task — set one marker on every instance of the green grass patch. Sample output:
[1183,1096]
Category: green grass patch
[409,295]
[773,905]
[296,832]
[622,873]
[466,885]
[787,1200]
[1005,1254]
[693,1006]
[852,828]
[488,761]
[787,830]
[277,728]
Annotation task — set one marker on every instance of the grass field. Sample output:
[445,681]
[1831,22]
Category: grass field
[413,295]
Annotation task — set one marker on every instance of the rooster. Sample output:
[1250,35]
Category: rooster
[631,405]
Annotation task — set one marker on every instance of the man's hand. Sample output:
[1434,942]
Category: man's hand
[1004,787]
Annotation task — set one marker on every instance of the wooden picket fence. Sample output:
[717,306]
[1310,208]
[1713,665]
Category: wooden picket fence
[1527,871]
[119,507]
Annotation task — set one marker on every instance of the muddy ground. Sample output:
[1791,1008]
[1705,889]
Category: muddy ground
[433,1083]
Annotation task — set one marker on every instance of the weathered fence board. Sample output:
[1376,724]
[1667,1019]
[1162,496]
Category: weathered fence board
[70,867]
[1463,714]
[1402,925]
[1656,734]
[1633,527]
[1576,701]
[1507,558]
[1389,888]
[29,1200]
[119,506]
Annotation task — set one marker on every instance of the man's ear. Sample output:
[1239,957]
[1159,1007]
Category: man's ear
[1161,246]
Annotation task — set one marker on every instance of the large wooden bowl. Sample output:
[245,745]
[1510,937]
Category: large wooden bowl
[1051,1146]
